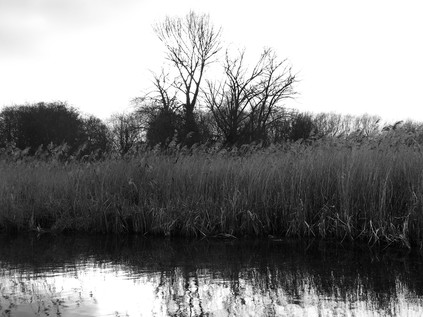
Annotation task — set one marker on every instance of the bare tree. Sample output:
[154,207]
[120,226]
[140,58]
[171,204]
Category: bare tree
[163,96]
[159,111]
[191,43]
[338,125]
[230,101]
[275,85]
[160,100]
[367,124]
[247,104]
[126,132]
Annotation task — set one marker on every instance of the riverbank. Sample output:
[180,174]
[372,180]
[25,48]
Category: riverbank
[329,189]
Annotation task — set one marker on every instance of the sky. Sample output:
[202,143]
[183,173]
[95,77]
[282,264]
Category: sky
[350,57]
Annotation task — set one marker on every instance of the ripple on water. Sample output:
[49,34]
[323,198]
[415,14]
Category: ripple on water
[160,277]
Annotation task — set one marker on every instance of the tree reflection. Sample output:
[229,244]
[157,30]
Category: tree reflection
[202,278]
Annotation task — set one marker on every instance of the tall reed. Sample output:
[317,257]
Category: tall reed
[337,189]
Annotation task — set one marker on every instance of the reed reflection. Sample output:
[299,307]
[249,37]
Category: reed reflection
[92,276]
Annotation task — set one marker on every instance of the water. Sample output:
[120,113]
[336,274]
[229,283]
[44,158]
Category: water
[136,276]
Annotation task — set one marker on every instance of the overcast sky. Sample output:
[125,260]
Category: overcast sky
[362,56]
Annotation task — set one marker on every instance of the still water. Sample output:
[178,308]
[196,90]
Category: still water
[137,276]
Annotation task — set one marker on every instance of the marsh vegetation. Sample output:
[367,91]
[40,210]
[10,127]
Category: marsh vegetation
[205,158]
[348,189]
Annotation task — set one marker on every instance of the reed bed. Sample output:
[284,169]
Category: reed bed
[370,191]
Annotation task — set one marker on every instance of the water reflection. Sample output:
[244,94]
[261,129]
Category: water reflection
[134,276]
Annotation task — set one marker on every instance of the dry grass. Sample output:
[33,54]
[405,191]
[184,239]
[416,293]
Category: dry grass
[330,189]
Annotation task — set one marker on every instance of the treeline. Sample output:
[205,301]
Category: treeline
[42,128]
[185,107]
